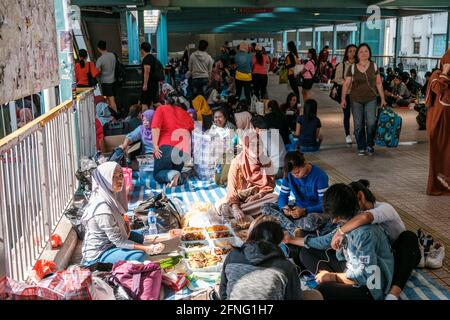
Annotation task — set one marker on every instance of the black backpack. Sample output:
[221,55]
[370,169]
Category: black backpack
[157,73]
[167,212]
[119,71]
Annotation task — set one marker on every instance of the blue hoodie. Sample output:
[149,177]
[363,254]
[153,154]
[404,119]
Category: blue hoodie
[365,249]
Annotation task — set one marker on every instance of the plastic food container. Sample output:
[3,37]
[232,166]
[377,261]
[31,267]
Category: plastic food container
[205,246]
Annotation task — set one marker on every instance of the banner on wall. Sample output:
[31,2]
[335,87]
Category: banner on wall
[28,48]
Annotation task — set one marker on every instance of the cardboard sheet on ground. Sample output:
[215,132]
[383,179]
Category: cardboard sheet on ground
[171,245]
[112,142]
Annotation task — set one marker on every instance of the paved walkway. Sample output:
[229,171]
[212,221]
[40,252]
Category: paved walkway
[398,176]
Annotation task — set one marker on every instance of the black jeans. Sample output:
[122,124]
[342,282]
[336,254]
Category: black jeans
[294,85]
[246,85]
[260,85]
[406,257]
[311,258]
[347,113]
[340,291]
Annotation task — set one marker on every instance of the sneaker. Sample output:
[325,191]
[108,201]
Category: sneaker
[370,151]
[435,258]
[361,152]
[348,139]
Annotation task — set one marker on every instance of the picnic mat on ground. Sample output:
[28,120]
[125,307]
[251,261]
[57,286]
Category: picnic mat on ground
[419,287]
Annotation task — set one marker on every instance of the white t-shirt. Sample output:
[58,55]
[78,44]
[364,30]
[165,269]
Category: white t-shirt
[387,217]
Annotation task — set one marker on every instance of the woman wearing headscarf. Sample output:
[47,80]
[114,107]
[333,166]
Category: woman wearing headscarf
[438,126]
[249,183]
[25,116]
[142,133]
[108,238]
[243,120]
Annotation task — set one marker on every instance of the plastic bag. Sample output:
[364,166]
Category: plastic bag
[43,268]
[127,178]
[56,241]
[102,291]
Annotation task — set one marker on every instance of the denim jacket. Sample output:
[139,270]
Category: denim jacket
[367,251]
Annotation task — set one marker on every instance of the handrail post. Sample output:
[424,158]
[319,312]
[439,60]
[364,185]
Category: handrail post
[44,184]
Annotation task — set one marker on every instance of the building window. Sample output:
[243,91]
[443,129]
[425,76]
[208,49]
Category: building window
[438,45]
[416,48]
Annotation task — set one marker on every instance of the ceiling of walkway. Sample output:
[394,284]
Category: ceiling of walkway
[223,16]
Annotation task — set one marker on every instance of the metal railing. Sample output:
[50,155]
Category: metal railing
[37,175]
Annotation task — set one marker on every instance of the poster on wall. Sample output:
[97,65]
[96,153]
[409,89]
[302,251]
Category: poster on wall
[65,42]
[28,48]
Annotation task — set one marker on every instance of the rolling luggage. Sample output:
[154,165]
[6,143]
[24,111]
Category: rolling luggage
[389,127]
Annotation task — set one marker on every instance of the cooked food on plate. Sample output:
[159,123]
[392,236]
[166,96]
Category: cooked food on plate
[199,260]
[193,236]
[220,235]
[217,228]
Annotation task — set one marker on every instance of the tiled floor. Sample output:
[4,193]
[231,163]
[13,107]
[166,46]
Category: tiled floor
[398,176]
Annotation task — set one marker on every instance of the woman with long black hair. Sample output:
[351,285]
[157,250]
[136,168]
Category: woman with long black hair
[260,63]
[308,74]
[290,63]
[339,78]
[85,71]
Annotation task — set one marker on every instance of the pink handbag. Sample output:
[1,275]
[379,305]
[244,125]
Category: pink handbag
[127,177]
[141,281]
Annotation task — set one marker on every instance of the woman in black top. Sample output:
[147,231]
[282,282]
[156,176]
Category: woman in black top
[290,62]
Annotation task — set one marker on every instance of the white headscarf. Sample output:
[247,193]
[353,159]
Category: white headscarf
[102,191]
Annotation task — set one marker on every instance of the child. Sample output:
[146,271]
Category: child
[308,128]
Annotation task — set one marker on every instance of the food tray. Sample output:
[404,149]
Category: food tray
[235,242]
[225,228]
[206,246]
[215,268]
[221,235]
[196,240]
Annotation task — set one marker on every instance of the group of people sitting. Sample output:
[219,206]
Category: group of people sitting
[351,245]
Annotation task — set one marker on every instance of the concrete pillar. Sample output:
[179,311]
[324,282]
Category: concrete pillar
[334,40]
[161,39]
[360,32]
[297,39]
[314,37]
[141,26]
[447,43]
[398,40]
[133,38]
[285,41]
[65,59]
[353,41]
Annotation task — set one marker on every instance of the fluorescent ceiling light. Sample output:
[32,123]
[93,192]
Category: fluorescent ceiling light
[317,13]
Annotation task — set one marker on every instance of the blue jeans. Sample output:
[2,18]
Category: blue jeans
[115,254]
[365,123]
[199,86]
[165,170]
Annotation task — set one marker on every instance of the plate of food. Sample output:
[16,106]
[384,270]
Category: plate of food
[194,246]
[192,229]
[221,235]
[220,251]
[242,234]
[242,225]
[193,236]
[203,261]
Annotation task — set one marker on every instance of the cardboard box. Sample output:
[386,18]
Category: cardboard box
[112,142]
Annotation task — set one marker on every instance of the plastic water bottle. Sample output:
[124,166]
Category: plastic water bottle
[151,219]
